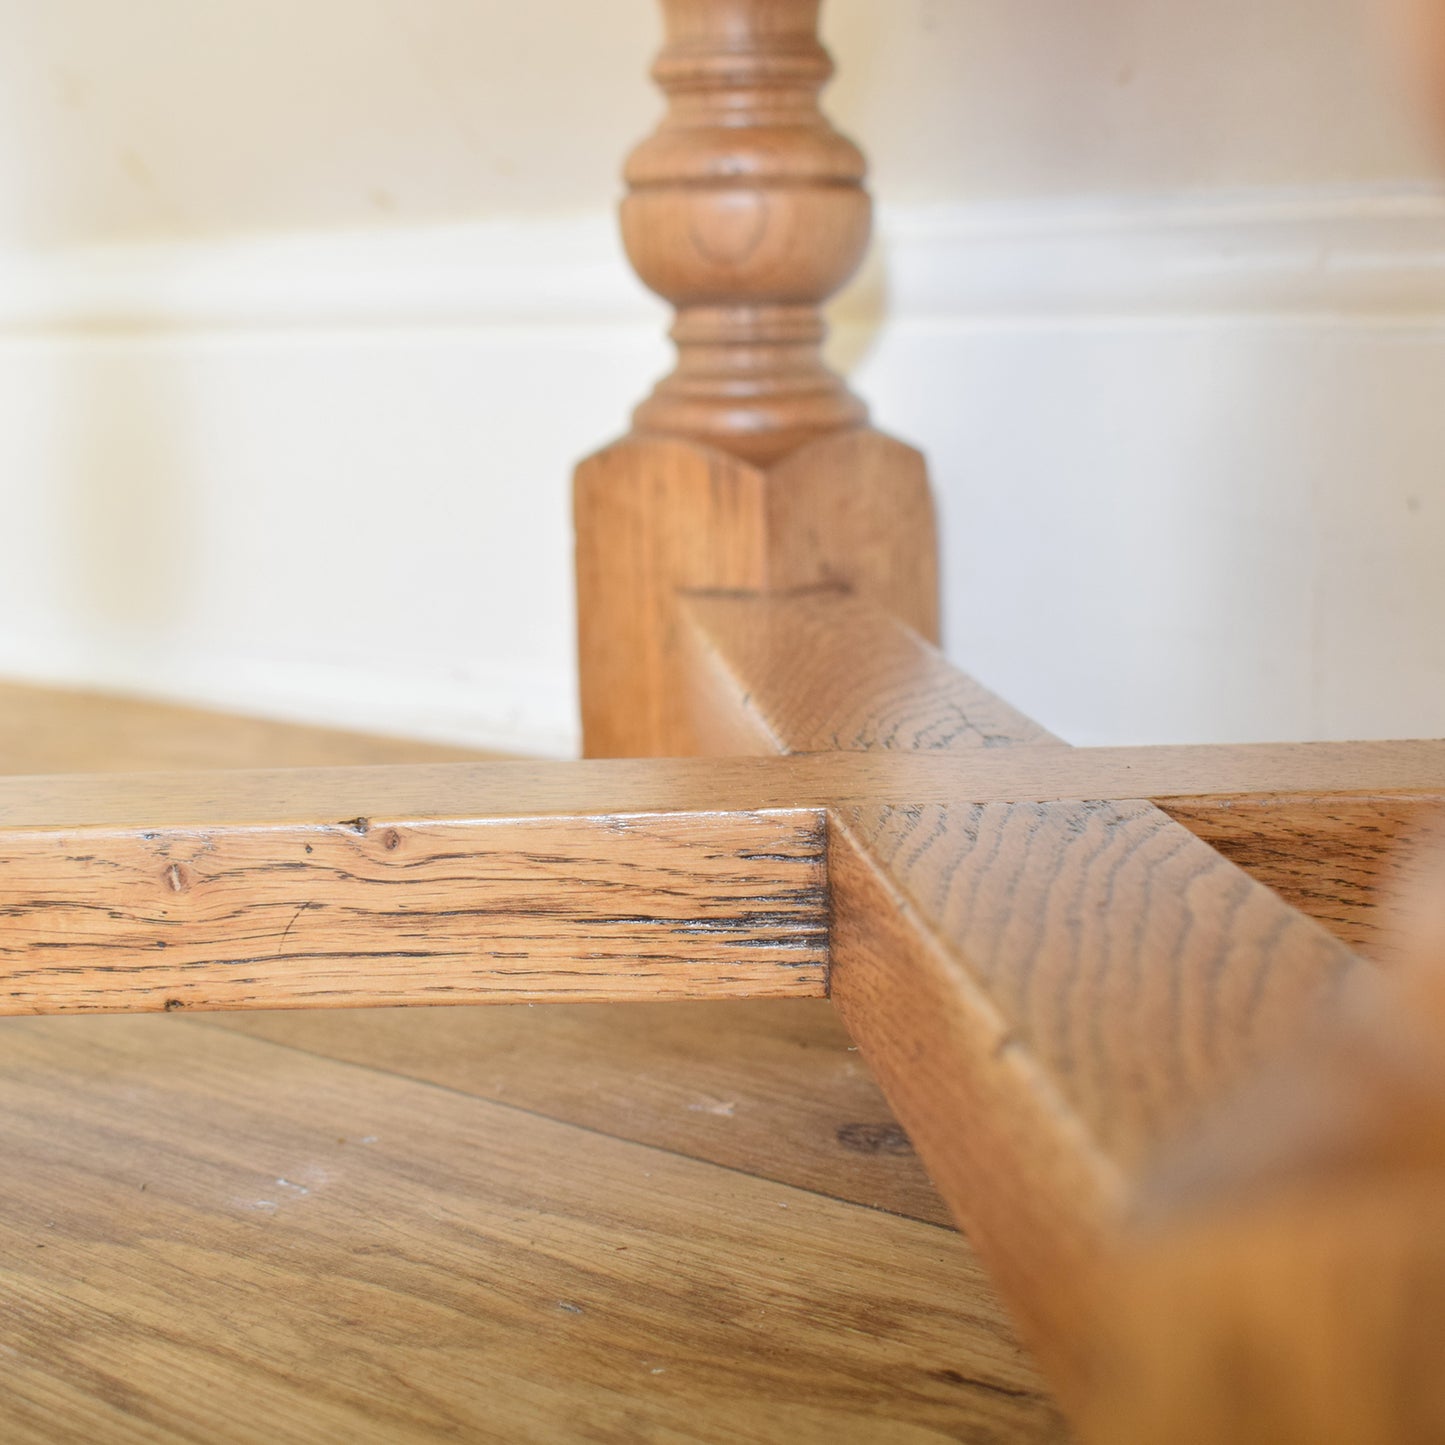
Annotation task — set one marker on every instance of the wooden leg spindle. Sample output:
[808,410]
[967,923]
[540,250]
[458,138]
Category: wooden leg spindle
[751,467]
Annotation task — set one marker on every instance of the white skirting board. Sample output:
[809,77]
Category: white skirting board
[1190,456]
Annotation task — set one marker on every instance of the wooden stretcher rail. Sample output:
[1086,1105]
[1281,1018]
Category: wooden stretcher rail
[797,661]
[1058,997]
[500,882]
[1346,859]
[462,791]
[396,911]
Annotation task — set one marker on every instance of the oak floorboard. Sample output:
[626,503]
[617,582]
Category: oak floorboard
[67,730]
[205,1237]
[773,1088]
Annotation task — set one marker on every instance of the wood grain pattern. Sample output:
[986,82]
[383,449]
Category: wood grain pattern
[206,1237]
[243,890]
[654,515]
[1068,1161]
[1060,999]
[1143,972]
[1344,860]
[396,911]
[1052,995]
[804,1111]
[826,672]
[774,1088]
[443,792]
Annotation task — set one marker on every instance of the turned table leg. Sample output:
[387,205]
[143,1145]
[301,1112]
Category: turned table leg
[751,467]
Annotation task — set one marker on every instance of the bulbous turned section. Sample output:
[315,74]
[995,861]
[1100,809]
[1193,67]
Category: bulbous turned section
[746,210]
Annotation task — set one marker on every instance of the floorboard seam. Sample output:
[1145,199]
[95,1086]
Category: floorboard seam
[193,1021]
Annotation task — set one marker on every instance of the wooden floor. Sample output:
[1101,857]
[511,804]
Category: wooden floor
[662,1222]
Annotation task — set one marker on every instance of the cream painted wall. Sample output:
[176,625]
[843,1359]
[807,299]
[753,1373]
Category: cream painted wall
[173,118]
[982,99]
[307,308]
